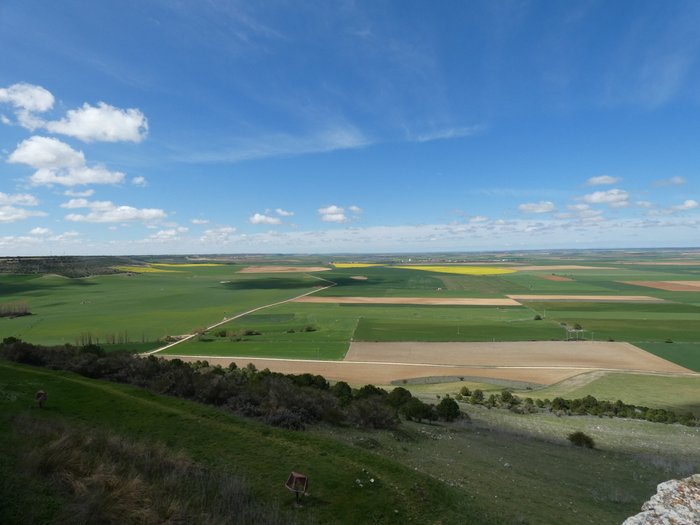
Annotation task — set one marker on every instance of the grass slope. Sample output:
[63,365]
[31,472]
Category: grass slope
[263,456]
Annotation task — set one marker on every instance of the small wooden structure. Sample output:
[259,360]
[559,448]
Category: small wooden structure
[41,398]
[297,483]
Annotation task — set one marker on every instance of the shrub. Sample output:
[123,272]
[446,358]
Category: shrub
[579,439]
[448,409]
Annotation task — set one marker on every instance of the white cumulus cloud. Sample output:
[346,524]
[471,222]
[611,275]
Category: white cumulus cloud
[688,204]
[13,213]
[614,198]
[18,199]
[537,207]
[27,100]
[139,181]
[200,221]
[259,218]
[221,235]
[102,123]
[332,213]
[603,180]
[106,211]
[38,231]
[57,163]
[284,213]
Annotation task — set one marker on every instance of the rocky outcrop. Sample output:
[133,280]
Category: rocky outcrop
[676,502]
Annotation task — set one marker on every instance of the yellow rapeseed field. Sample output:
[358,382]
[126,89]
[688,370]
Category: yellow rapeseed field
[461,270]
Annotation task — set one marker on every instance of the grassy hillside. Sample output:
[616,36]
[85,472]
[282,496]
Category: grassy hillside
[261,455]
[501,468]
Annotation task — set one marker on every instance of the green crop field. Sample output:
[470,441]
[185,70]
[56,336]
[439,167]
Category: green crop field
[141,307]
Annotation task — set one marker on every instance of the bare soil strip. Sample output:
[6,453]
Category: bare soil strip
[559,278]
[560,267]
[358,373]
[537,354]
[590,298]
[283,269]
[454,301]
[669,286]
[359,277]
[541,362]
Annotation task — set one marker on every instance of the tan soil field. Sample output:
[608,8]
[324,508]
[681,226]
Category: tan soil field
[669,286]
[283,269]
[560,267]
[542,362]
[383,374]
[559,278]
[437,301]
[590,298]
[531,354]
[359,277]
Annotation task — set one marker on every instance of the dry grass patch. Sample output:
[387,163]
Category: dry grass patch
[359,277]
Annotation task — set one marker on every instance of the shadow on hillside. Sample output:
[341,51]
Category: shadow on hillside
[35,286]
[269,283]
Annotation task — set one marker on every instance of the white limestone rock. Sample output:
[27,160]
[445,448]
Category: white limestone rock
[676,502]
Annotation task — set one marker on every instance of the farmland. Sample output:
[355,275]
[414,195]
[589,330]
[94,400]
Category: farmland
[594,297]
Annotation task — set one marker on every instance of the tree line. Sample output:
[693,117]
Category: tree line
[285,400]
[587,405]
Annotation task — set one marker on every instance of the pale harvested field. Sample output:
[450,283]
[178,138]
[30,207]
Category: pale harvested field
[560,267]
[590,298]
[559,278]
[283,269]
[536,354]
[669,286]
[542,362]
[384,373]
[359,277]
[436,301]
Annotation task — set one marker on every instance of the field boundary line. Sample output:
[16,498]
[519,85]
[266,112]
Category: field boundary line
[243,314]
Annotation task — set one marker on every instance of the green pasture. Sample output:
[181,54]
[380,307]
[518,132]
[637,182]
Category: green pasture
[141,307]
[527,472]
[680,394]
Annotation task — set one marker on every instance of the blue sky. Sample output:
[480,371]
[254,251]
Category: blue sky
[156,126]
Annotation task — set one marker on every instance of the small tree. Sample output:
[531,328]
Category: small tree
[448,409]
[477,397]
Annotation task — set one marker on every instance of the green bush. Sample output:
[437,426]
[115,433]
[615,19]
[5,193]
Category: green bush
[579,439]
